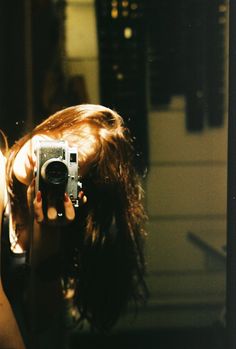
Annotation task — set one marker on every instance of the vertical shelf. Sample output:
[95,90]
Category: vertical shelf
[122,59]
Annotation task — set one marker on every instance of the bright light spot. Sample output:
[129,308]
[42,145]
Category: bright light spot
[120,76]
[114,13]
[128,32]
[125,3]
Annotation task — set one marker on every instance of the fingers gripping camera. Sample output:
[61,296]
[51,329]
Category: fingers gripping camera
[57,171]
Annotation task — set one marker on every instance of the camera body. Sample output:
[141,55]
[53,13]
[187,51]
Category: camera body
[57,171]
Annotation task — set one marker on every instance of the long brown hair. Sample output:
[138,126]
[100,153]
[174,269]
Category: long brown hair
[104,251]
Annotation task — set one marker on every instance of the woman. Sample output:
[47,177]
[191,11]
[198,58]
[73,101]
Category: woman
[10,336]
[95,252]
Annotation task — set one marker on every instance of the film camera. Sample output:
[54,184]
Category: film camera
[57,172]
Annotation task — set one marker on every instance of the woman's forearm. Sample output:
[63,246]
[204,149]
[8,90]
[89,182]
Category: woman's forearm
[10,336]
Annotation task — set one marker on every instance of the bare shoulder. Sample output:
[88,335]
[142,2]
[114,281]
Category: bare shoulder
[10,336]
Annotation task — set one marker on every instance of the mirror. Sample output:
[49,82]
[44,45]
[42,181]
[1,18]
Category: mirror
[163,65]
[185,109]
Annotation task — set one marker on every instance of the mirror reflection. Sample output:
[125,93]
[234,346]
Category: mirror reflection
[162,65]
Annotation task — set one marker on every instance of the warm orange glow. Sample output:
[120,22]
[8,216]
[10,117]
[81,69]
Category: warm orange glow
[125,3]
[114,13]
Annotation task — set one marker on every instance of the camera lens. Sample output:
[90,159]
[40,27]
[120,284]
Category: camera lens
[55,172]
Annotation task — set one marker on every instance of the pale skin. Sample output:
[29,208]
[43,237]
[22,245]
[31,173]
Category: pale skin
[10,336]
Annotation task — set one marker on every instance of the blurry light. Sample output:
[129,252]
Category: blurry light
[125,3]
[125,13]
[114,3]
[114,13]
[134,6]
[120,76]
[222,20]
[222,8]
[128,32]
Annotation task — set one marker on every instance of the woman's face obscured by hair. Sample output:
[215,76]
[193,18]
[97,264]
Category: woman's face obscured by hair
[97,132]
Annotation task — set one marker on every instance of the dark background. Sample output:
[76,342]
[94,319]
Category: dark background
[175,41]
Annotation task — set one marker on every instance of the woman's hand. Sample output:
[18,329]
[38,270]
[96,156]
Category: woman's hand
[52,215]
[24,170]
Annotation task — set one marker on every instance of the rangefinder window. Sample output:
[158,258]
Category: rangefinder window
[73,157]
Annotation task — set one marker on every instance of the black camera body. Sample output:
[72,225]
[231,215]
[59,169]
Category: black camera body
[57,171]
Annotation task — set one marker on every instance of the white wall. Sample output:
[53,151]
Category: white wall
[186,192]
